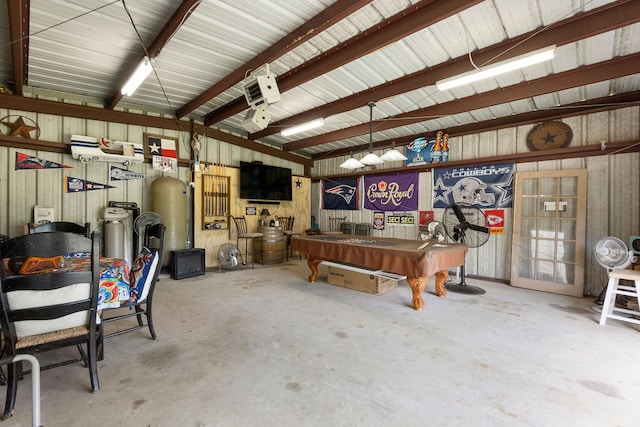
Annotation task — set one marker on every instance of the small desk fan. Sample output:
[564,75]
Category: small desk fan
[611,253]
[466,224]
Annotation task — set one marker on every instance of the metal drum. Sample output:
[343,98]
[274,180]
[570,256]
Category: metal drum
[270,249]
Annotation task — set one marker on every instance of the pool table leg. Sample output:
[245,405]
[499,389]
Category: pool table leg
[419,283]
[313,266]
[417,286]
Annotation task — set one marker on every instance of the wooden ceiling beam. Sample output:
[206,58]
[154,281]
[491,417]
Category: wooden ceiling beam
[18,11]
[399,26]
[605,70]
[323,20]
[181,14]
[587,107]
[632,146]
[579,27]
[54,108]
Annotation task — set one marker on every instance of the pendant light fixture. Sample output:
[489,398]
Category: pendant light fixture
[371,158]
[393,155]
[351,163]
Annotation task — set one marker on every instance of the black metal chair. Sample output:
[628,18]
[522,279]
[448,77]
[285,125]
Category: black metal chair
[243,233]
[347,227]
[64,226]
[44,307]
[286,222]
[142,299]
[362,229]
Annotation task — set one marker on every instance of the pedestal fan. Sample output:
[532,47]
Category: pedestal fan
[466,224]
[611,253]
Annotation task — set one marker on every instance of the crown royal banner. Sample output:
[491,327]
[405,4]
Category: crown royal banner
[397,192]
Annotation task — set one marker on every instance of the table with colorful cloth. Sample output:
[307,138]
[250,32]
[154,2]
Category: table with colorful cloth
[114,277]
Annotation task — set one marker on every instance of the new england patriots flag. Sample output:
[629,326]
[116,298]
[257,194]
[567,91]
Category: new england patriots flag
[340,193]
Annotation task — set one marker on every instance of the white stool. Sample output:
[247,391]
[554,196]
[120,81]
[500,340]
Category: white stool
[614,288]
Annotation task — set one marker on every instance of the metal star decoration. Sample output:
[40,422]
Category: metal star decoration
[20,128]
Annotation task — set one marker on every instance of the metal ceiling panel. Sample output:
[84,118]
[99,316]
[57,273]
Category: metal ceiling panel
[86,47]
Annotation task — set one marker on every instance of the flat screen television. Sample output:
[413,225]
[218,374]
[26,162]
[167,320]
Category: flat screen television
[264,182]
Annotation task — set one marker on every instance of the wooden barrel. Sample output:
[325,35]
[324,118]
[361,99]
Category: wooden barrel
[271,248]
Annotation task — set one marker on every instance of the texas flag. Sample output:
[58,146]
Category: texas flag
[165,147]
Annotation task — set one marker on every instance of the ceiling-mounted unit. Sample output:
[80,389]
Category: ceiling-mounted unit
[260,88]
[256,120]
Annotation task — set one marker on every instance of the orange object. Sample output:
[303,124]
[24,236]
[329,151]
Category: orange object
[33,264]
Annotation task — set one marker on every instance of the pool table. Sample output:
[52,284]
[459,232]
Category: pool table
[412,258]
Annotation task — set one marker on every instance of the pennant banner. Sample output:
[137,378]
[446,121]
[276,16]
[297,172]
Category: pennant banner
[482,186]
[398,192]
[340,194]
[77,185]
[118,174]
[25,161]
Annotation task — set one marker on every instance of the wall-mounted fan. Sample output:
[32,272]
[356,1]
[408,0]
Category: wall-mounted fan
[611,253]
[229,257]
[466,224]
[435,231]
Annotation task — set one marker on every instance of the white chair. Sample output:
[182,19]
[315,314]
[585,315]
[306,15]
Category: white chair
[614,288]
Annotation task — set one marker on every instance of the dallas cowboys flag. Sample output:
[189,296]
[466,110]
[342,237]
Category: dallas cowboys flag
[482,186]
[340,193]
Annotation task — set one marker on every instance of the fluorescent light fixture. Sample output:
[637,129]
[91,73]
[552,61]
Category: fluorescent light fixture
[138,76]
[351,163]
[498,68]
[301,128]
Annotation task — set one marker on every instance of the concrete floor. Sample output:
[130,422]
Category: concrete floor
[264,347]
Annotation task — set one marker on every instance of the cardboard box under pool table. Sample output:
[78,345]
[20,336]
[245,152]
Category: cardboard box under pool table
[375,282]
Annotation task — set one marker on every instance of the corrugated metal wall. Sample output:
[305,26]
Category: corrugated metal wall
[21,190]
[613,205]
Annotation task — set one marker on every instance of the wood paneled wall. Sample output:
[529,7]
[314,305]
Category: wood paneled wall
[299,208]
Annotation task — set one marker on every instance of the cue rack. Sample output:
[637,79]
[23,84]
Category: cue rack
[215,201]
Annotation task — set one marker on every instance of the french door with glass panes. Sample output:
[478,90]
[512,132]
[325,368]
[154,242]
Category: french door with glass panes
[548,231]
